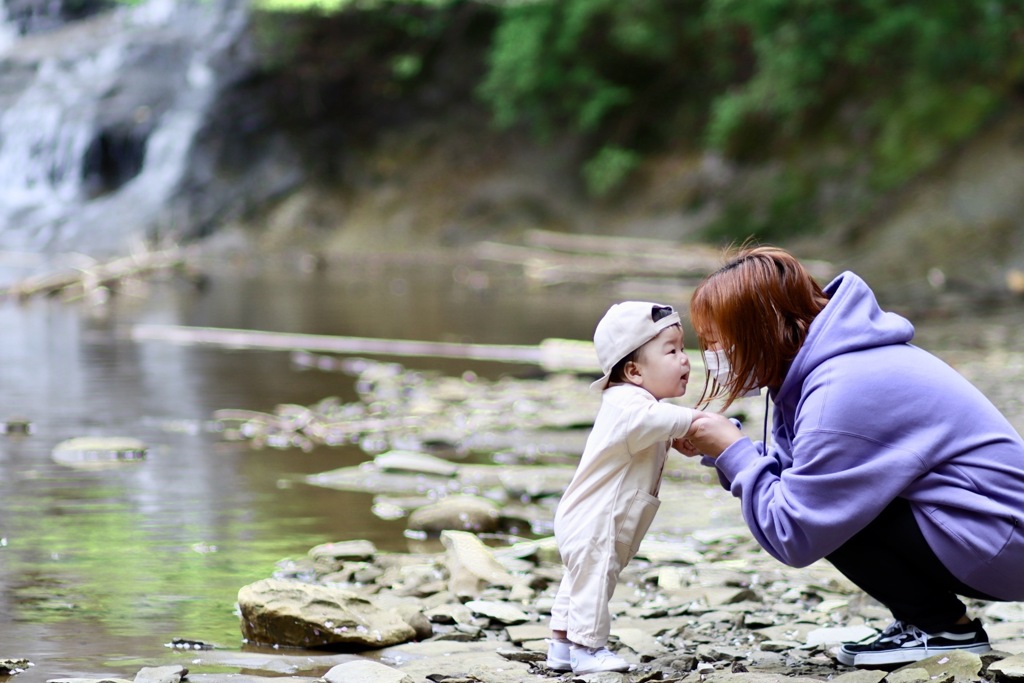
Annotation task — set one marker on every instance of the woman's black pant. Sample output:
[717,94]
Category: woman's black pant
[891,561]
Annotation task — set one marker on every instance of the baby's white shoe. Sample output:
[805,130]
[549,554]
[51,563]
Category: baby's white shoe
[589,660]
[558,655]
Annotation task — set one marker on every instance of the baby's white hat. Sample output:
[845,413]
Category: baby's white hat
[625,328]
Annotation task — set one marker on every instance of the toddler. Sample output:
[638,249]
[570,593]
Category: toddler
[609,505]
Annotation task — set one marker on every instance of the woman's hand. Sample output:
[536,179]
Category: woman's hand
[710,434]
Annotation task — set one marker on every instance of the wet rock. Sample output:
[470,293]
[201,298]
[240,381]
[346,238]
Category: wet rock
[526,656]
[721,653]
[522,633]
[420,579]
[410,610]
[778,645]
[344,551]
[842,634]
[299,668]
[672,662]
[462,633]
[795,632]
[863,676]
[94,452]
[9,667]
[639,640]
[1004,611]
[669,552]
[367,477]
[1009,669]
[501,612]
[161,674]
[751,677]
[365,672]
[537,551]
[459,512]
[913,674]
[280,612]
[189,644]
[416,463]
[534,482]
[16,426]
[956,667]
[447,660]
[450,614]
[471,565]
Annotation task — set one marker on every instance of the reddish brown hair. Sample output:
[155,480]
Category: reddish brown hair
[758,307]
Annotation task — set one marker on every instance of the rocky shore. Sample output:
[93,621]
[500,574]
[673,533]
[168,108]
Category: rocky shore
[714,608]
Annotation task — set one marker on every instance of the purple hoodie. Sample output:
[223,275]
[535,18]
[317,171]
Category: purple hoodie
[864,417]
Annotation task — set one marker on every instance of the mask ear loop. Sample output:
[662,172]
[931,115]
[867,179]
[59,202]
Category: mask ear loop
[767,401]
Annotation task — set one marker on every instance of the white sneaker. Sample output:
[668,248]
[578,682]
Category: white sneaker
[589,660]
[558,655]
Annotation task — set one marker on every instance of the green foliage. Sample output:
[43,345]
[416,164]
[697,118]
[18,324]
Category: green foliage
[893,83]
[589,66]
[775,208]
[758,77]
[915,130]
[929,71]
[406,66]
[616,74]
[334,6]
[607,169]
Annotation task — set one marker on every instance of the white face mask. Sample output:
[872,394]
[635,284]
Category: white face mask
[718,367]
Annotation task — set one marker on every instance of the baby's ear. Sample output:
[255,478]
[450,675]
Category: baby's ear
[631,371]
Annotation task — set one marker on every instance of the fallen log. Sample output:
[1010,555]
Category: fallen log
[80,281]
[688,259]
[551,258]
[553,355]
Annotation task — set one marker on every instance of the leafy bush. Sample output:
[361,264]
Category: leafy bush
[608,168]
[616,73]
[893,84]
[930,72]
[756,77]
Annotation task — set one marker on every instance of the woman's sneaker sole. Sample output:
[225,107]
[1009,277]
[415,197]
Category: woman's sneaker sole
[912,654]
[902,643]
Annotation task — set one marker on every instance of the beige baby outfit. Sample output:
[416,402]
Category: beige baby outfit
[609,505]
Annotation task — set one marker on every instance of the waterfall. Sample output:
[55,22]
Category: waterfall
[98,123]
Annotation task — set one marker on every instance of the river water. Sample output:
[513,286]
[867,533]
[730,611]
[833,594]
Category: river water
[101,568]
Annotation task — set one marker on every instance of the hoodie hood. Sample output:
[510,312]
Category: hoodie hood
[851,321]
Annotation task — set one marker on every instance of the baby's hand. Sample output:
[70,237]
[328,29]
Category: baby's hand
[685,446]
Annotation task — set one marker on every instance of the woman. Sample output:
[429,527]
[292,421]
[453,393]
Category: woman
[883,459]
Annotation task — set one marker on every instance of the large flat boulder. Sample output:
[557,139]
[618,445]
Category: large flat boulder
[296,614]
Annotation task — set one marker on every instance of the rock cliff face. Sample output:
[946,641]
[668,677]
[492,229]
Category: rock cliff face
[958,230]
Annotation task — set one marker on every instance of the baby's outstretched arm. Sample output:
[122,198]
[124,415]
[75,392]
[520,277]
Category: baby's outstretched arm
[712,433]
[683,444]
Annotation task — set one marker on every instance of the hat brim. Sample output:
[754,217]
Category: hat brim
[601,384]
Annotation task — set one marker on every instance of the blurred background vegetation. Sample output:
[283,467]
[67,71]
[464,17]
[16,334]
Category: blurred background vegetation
[859,95]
